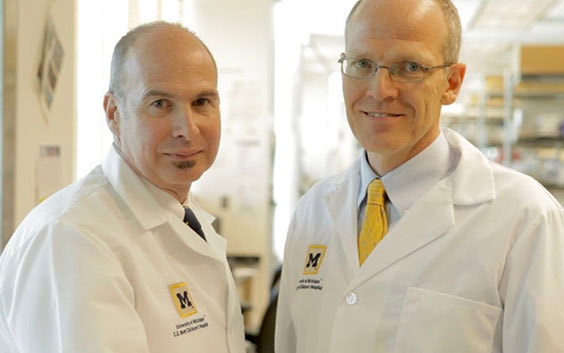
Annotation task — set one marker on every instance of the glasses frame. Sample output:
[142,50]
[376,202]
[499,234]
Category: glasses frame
[395,78]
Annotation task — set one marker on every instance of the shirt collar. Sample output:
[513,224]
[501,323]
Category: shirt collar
[148,203]
[166,200]
[407,183]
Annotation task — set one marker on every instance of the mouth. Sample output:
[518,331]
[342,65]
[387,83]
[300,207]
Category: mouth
[183,156]
[382,115]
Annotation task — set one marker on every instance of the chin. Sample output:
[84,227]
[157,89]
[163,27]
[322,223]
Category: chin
[380,144]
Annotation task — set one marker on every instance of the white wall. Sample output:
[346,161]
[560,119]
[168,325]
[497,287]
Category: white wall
[33,127]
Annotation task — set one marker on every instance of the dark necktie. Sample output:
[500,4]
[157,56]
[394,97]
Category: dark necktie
[191,220]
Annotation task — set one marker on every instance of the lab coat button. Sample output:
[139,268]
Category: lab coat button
[351,299]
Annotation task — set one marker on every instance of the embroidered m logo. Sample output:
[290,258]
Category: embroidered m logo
[314,258]
[182,299]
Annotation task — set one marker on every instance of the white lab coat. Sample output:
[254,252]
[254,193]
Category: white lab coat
[475,266]
[97,268]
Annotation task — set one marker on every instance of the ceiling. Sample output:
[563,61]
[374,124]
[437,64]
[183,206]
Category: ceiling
[491,30]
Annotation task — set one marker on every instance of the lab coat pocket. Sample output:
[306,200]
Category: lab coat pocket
[433,322]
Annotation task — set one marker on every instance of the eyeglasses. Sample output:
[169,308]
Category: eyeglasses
[403,71]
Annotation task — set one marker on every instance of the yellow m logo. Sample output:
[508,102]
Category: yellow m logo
[182,299]
[314,258]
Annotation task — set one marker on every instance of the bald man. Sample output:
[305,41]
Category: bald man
[124,260]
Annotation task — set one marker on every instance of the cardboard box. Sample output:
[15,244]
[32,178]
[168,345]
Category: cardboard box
[542,60]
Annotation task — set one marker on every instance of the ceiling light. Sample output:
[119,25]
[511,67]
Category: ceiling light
[556,13]
[504,14]
[466,10]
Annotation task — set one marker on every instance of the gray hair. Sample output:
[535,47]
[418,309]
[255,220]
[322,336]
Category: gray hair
[119,56]
[454,28]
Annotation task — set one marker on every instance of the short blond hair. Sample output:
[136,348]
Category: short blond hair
[454,28]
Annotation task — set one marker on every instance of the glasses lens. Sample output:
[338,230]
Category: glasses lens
[358,68]
[407,71]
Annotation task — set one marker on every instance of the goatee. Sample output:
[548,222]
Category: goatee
[185,165]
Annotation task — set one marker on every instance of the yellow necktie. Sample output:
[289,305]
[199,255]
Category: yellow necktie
[375,224]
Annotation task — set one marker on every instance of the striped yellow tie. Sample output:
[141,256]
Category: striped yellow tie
[375,224]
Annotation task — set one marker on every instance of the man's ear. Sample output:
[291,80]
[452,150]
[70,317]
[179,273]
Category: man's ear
[455,78]
[112,113]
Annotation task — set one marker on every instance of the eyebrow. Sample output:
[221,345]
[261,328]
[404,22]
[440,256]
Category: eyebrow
[208,93]
[158,93]
[153,93]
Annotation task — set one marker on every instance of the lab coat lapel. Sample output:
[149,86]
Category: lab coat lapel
[430,218]
[433,215]
[215,246]
[147,210]
[341,203]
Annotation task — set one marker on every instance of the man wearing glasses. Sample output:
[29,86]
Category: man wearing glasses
[423,245]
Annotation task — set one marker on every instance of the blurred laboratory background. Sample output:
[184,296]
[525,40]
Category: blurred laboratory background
[284,126]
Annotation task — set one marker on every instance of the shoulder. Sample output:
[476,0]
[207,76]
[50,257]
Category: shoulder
[84,193]
[343,180]
[520,188]
[477,179]
[73,207]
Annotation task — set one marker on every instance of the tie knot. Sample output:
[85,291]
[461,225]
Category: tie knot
[376,192]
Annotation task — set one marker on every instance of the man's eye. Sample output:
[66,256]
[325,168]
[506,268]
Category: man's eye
[362,64]
[200,102]
[411,66]
[160,103]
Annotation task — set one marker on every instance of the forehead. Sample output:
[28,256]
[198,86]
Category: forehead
[397,25]
[171,60]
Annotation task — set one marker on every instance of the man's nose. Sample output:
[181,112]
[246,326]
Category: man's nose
[185,124]
[382,86]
